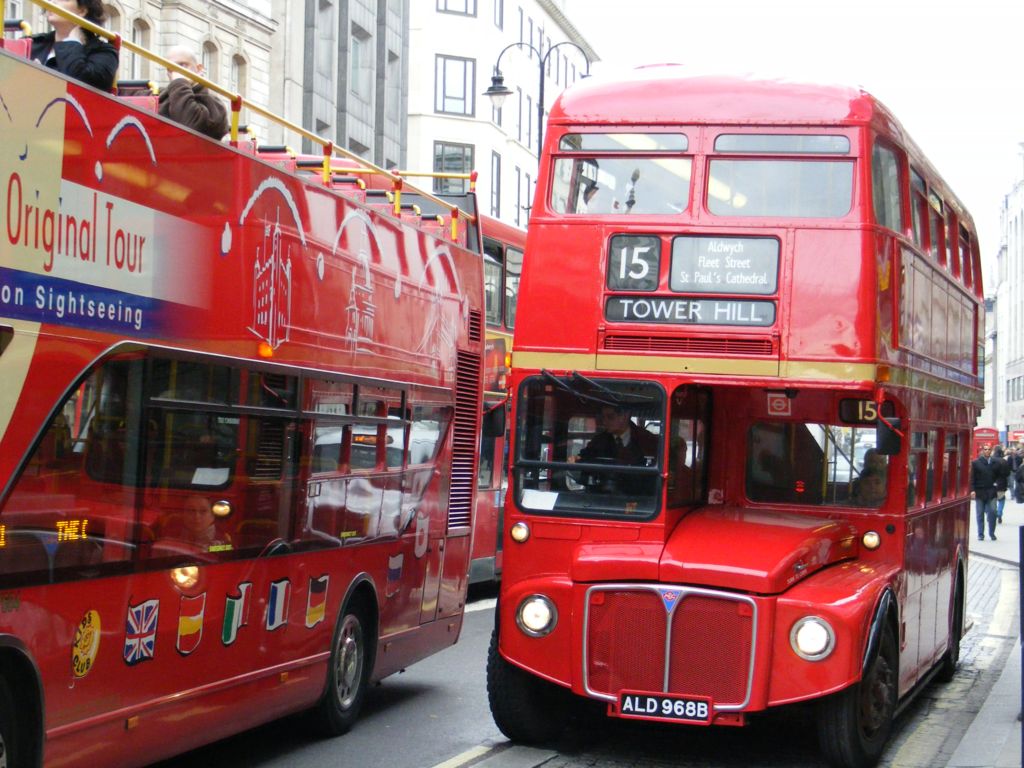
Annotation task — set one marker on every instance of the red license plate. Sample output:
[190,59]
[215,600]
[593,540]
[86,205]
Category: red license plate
[666,707]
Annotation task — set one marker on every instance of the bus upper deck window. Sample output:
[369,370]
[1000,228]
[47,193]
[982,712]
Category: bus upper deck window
[621,173]
[761,185]
[621,185]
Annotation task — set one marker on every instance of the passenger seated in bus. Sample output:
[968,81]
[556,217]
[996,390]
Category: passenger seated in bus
[194,530]
[869,489]
[73,51]
[189,103]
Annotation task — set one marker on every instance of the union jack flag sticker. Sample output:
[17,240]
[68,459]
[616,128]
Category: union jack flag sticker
[140,631]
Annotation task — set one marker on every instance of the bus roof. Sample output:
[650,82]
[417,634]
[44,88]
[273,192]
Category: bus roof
[674,94]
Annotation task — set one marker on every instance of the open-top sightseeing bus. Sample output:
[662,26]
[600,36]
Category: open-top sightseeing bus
[740,442]
[239,412]
[503,246]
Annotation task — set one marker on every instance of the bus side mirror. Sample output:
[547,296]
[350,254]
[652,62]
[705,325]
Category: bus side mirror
[887,440]
[494,422]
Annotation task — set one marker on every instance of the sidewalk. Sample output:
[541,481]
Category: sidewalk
[1006,548]
[993,739]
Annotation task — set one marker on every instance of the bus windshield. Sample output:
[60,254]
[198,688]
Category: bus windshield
[589,448]
[818,464]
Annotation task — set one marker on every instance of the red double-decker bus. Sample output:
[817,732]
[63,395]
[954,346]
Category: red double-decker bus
[238,431]
[741,438]
[503,246]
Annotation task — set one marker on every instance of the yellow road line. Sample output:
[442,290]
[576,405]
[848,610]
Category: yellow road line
[464,758]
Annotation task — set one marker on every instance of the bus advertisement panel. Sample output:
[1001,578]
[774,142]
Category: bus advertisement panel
[739,470]
[238,433]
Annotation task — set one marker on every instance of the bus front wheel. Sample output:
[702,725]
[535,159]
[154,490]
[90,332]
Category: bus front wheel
[347,676]
[854,724]
[8,733]
[526,709]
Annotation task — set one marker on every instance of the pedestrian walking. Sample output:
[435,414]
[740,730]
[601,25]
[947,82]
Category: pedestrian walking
[983,491]
[1002,470]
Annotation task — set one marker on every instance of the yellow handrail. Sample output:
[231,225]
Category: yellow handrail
[238,102]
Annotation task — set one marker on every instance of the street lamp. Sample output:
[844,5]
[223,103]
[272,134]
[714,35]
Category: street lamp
[498,91]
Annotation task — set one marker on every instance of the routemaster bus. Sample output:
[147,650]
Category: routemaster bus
[740,442]
[238,430]
[503,246]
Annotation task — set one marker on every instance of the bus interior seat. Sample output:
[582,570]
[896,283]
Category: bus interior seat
[24,553]
[139,93]
[278,154]
[79,553]
[19,46]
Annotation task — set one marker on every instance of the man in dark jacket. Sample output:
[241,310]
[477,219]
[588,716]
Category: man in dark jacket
[622,441]
[72,51]
[984,472]
[189,103]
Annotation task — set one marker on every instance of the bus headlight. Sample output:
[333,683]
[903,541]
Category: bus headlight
[536,616]
[812,638]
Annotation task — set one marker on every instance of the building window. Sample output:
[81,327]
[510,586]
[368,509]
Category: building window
[239,75]
[495,185]
[325,44]
[519,197]
[211,61]
[452,158]
[140,36]
[393,88]
[358,149]
[529,121]
[519,114]
[13,10]
[464,7]
[454,85]
[113,18]
[361,64]
[499,14]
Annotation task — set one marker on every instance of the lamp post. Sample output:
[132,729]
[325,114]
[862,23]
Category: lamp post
[498,91]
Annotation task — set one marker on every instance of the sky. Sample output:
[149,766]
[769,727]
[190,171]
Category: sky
[951,72]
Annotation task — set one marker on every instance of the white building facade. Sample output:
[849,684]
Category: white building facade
[1005,345]
[453,127]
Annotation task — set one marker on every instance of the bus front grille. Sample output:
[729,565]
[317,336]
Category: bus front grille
[679,640]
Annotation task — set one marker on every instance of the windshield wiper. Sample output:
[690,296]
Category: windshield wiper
[580,394]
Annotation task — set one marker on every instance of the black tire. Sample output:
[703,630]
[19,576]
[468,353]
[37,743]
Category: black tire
[9,737]
[347,675]
[526,709]
[854,724]
[951,658]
